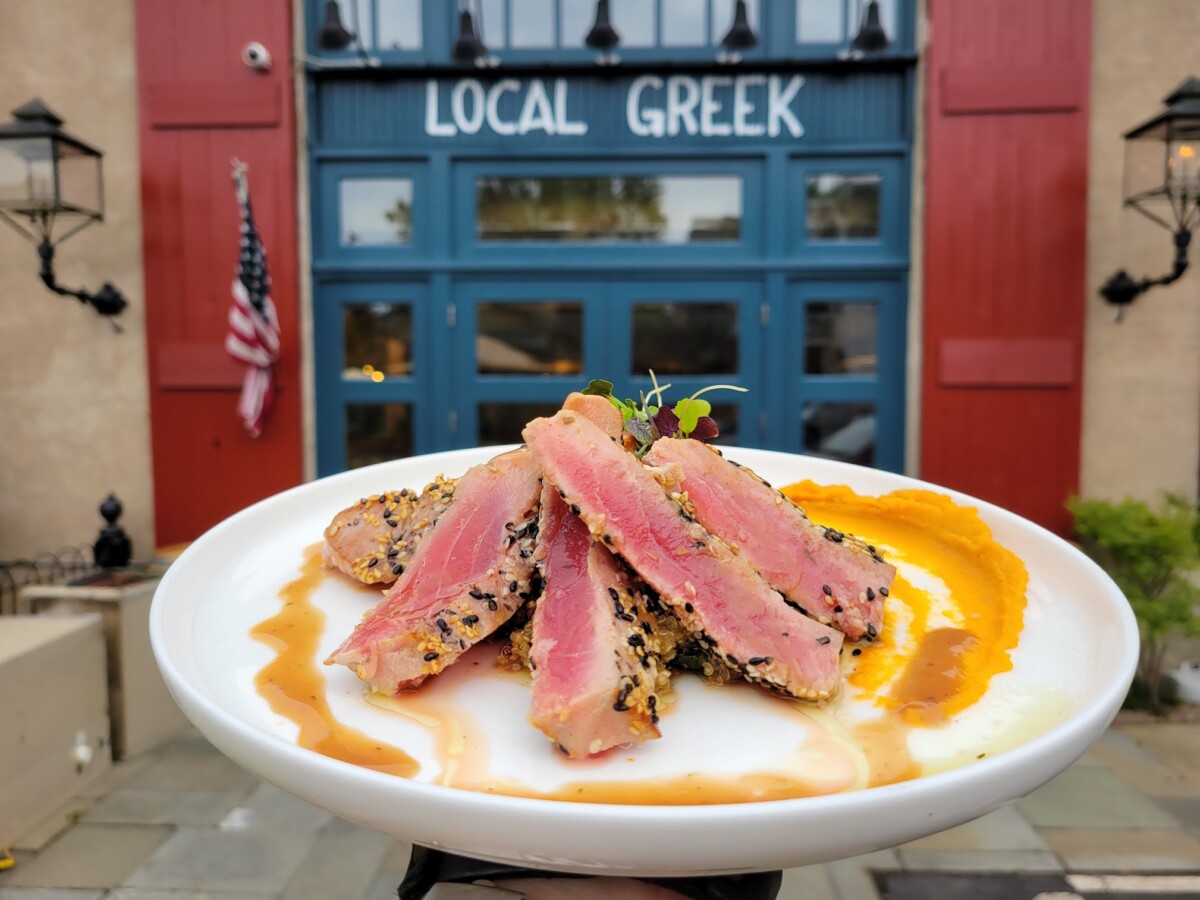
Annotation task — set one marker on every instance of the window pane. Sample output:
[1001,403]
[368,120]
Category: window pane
[545,338]
[501,423]
[490,24]
[842,207]
[667,209]
[376,211]
[844,431]
[399,26]
[575,21]
[683,23]
[377,432]
[819,21]
[532,23]
[840,338]
[727,417]
[378,341]
[685,338]
[722,19]
[634,22]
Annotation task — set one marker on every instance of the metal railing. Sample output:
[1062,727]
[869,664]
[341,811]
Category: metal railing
[66,565]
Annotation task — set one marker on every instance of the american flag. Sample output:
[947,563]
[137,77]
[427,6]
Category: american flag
[253,336]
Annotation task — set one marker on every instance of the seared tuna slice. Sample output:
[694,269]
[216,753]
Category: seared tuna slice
[834,577]
[468,576]
[593,650]
[599,410]
[715,592]
[375,539]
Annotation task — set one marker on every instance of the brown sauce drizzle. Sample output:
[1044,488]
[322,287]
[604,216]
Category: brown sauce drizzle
[295,688]
[932,677]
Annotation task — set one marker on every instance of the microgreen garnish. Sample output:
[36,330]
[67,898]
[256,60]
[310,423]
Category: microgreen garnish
[649,418]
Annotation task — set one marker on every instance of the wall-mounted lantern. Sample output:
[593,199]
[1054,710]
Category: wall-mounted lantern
[51,187]
[603,37]
[470,48]
[1162,182]
[739,38]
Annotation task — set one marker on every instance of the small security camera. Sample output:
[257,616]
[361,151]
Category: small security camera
[257,57]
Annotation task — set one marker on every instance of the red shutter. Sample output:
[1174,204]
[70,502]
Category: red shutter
[201,106]
[1005,250]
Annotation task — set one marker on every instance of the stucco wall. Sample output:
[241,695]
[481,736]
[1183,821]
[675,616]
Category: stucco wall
[1141,432]
[73,395]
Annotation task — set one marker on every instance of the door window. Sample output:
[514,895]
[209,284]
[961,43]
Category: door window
[684,338]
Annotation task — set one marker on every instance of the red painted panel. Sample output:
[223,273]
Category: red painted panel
[1005,250]
[200,106]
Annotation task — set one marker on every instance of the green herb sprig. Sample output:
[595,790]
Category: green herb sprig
[649,418]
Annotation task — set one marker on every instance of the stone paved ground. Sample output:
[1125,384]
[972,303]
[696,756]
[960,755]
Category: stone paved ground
[185,823]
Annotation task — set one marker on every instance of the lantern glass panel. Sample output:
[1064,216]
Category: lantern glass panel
[79,181]
[27,175]
[1183,170]
[1145,169]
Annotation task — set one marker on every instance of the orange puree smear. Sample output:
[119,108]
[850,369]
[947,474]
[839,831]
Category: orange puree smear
[932,671]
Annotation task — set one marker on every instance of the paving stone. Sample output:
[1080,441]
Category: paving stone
[151,894]
[90,856]
[48,894]
[41,834]
[947,886]
[1130,761]
[1176,745]
[206,859]
[120,773]
[128,893]
[1185,809]
[807,883]
[1092,798]
[383,885]
[1124,850]
[148,807]
[1004,829]
[269,807]
[194,772]
[852,878]
[980,860]
[342,863]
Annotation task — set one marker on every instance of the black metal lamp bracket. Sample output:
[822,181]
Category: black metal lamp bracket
[107,301]
[1122,289]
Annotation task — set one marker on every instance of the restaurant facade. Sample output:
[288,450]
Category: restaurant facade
[885,241]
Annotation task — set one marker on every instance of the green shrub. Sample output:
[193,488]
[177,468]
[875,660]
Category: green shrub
[1149,554]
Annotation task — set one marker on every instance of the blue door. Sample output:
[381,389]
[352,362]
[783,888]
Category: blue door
[486,243]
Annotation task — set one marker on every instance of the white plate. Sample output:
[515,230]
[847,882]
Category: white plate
[1071,669]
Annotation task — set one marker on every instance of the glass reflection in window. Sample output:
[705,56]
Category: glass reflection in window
[501,423]
[376,212]
[844,431]
[525,338]
[532,24]
[674,209]
[634,21]
[685,338]
[398,25]
[377,432]
[377,340]
[842,207]
[683,23]
[840,338]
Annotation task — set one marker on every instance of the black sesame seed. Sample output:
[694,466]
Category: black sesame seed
[574,510]
[756,660]
[512,587]
[871,630]
[441,623]
[430,657]
[689,607]
[824,639]
[619,706]
[870,594]
[476,593]
[562,493]
[562,749]
[646,628]
[608,539]
[652,701]
[404,492]
[374,562]
[837,609]
[393,552]
[635,640]
[492,605]
[828,592]
[837,539]
[387,513]
[883,591]
[392,523]
[857,652]
[470,620]
[397,569]
[612,592]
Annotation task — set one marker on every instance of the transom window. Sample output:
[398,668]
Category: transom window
[554,24]
[385,24]
[838,21]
